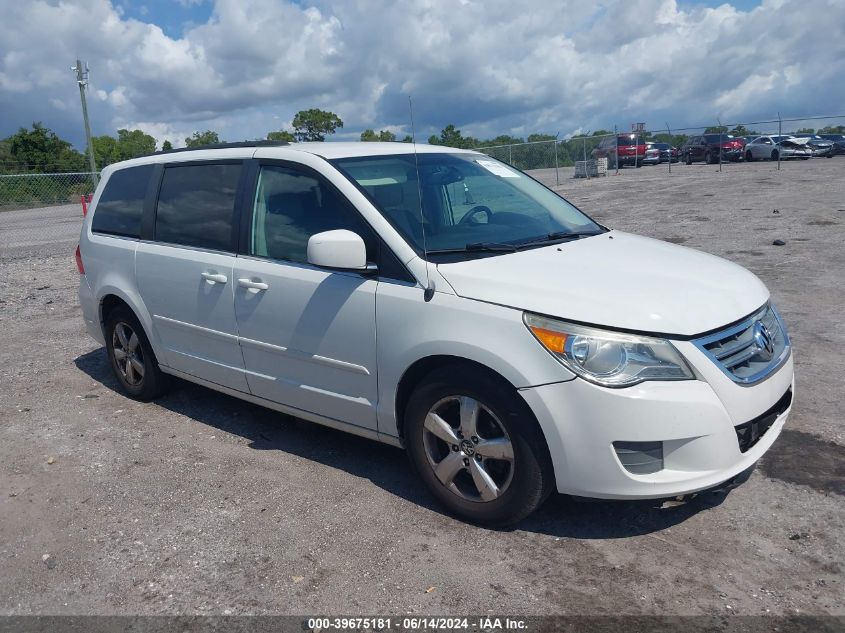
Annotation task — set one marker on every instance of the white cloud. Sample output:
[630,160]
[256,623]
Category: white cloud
[489,66]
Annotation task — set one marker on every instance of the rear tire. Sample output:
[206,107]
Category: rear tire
[749,157]
[131,356]
[774,154]
[455,416]
[689,159]
[708,158]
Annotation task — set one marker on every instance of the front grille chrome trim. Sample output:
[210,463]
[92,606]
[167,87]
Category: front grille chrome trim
[730,349]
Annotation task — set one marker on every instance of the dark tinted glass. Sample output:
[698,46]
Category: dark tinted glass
[715,138]
[629,139]
[290,207]
[121,204]
[196,205]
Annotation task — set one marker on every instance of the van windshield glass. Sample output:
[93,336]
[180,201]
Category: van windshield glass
[468,201]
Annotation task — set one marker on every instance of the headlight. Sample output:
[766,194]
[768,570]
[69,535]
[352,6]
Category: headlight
[610,359]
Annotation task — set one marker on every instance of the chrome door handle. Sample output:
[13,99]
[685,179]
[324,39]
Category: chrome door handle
[214,278]
[254,286]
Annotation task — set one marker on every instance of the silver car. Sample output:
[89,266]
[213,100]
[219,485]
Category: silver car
[774,147]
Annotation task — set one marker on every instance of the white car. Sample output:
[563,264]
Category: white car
[772,147]
[441,301]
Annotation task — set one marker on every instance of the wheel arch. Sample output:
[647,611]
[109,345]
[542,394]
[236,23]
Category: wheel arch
[112,297]
[423,367]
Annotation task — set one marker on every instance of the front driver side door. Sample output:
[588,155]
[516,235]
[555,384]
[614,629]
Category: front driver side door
[308,335]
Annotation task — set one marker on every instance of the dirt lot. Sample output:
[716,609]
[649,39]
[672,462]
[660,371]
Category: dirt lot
[203,504]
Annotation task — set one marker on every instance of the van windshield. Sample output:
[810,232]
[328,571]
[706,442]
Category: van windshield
[471,203]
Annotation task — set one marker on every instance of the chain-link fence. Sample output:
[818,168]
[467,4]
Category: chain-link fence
[27,190]
[719,144]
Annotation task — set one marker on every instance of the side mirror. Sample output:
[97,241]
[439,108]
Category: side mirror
[337,249]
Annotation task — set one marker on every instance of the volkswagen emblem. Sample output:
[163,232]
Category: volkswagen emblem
[763,340]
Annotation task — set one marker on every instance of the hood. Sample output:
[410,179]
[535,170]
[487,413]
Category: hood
[616,280]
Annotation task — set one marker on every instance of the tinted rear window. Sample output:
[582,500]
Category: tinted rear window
[121,204]
[715,138]
[196,205]
[629,140]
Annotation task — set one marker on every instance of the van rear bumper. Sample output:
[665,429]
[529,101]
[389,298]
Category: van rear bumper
[90,311]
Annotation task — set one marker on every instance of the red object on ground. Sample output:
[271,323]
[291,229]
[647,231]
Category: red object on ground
[85,199]
[79,266]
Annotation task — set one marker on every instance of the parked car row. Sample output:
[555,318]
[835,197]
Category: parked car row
[634,150]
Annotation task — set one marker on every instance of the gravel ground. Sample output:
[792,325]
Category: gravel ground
[202,504]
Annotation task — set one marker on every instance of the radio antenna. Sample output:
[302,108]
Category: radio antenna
[428,294]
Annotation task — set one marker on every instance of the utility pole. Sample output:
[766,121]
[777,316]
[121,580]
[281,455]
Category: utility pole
[82,80]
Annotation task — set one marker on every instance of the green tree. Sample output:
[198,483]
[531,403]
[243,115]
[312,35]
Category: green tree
[281,135]
[105,150]
[6,159]
[385,136]
[315,124]
[202,138]
[134,143]
[602,133]
[833,129]
[166,146]
[408,139]
[741,130]
[675,140]
[806,130]
[450,136]
[716,129]
[40,149]
[505,139]
[533,138]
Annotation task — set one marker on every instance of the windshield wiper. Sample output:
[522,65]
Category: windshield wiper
[477,247]
[559,236]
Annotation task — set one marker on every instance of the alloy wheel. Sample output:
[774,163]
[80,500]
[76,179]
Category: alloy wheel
[468,449]
[128,354]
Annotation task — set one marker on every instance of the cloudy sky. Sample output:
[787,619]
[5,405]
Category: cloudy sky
[244,67]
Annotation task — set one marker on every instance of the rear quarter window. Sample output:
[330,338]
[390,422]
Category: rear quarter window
[196,206]
[121,204]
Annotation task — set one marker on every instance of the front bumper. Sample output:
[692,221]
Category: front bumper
[694,422]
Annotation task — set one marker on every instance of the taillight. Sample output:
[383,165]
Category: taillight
[79,265]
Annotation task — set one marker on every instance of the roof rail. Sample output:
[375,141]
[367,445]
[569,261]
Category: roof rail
[222,146]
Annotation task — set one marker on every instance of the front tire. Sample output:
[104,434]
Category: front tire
[131,356]
[748,157]
[477,446]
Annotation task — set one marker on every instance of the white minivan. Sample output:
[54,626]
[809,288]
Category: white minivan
[442,301]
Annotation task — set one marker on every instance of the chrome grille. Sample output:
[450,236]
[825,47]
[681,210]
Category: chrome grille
[751,350]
